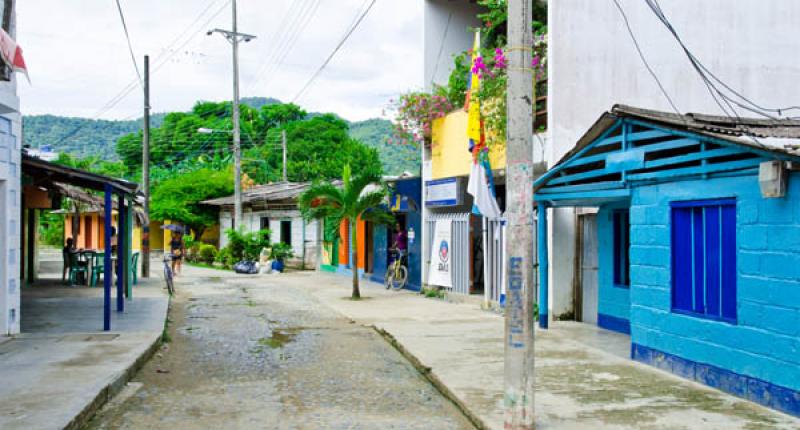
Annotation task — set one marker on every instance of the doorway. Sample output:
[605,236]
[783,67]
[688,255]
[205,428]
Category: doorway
[369,247]
[286,232]
[587,291]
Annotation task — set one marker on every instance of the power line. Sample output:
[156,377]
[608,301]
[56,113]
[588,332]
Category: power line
[132,85]
[335,50]
[711,80]
[644,60]
[128,38]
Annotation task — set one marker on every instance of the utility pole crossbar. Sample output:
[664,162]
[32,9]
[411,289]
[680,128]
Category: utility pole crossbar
[234,37]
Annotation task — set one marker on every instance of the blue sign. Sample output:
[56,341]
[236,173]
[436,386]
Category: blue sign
[442,192]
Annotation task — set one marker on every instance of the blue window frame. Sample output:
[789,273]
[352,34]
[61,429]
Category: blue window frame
[622,247]
[704,258]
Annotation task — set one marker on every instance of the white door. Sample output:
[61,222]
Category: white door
[589,269]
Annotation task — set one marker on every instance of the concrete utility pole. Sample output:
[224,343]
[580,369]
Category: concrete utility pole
[283,144]
[519,327]
[146,171]
[234,37]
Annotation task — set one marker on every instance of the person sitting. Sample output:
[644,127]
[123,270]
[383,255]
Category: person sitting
[68,249]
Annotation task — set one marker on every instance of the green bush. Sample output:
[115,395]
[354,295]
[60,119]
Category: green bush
[207,253]
[51,229]
[247,246]
[281,251]
[225,258]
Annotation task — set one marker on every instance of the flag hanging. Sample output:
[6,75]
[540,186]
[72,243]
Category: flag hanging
[481,183]
[11,54]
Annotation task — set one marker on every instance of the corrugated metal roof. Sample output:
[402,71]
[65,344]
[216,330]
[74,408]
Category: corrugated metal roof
[780,136]
[265,193]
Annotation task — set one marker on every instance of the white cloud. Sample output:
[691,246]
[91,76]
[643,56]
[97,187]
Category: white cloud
[78,58]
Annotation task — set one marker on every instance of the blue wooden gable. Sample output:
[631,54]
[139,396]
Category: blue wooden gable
[631,152]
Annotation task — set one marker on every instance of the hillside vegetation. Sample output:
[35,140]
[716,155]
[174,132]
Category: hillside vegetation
[84,137]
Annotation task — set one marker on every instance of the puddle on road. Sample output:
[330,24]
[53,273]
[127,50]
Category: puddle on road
[279,338]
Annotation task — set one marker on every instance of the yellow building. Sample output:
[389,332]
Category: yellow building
[450,156]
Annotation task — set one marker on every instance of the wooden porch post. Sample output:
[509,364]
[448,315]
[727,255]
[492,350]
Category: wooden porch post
[108,271]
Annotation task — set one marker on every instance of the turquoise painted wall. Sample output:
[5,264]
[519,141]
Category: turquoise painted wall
[765,341]
[612,300]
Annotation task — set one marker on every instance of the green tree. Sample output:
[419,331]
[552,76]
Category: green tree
[351,201]
[178,198]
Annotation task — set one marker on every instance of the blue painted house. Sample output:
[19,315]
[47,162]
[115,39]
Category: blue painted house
[689,237]
[404,203]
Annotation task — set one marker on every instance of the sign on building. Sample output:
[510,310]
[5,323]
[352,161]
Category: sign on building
[442,192]
[440,271]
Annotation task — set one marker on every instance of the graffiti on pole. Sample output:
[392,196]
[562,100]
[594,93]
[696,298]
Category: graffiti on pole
[516,304]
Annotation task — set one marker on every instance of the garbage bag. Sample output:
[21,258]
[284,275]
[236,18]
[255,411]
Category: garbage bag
[246,267]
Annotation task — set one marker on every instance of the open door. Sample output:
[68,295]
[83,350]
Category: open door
[587,294]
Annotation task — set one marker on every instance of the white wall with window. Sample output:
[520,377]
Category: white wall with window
[10,190]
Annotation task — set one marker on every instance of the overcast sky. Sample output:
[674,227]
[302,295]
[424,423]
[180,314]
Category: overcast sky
[78,59]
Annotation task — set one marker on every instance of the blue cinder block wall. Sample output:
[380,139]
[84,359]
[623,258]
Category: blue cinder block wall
[614,301]
[758,356]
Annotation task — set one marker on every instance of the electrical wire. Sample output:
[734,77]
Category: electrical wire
[712,80]
[131,86]
[130,46]
[644,60]
[335,50]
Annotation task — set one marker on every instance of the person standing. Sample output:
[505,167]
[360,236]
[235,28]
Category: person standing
[400,243]
[177,250]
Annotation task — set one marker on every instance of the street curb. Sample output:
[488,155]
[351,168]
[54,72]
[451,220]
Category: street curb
[116,385]
[427,373]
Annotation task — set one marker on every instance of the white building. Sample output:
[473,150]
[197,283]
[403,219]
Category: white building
[10,188]
[274,207]
[593,64]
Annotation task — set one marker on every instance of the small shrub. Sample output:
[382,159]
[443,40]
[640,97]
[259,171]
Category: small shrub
[281,251]
[247,246]
[207,253]
[225,258]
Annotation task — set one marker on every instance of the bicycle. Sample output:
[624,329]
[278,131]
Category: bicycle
[397,272]
[168,274]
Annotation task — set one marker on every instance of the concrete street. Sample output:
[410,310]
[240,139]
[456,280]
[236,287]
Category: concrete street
[585,379]
[254,352]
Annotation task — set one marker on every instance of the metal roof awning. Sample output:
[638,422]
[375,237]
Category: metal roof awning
[44,173]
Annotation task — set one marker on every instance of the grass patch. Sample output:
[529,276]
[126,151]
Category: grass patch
[165,337]
[433,293]
[206,266]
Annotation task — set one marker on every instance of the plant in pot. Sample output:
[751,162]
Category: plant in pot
[278,254]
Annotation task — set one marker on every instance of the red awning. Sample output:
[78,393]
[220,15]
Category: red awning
[11,54]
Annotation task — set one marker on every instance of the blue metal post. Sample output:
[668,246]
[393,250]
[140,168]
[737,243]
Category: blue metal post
[121,243]
[541,240]
[107,269]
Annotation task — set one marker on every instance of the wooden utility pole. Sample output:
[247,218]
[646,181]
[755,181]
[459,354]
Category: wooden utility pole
[519,327]
[283,145]
[146,171]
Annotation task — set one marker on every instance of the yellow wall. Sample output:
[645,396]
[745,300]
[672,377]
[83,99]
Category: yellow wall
[449,148]
[96,241]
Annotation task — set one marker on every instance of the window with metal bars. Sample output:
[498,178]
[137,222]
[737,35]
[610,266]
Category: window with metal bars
[704,258]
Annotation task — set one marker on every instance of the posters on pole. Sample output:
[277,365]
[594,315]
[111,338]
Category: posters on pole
[441,262]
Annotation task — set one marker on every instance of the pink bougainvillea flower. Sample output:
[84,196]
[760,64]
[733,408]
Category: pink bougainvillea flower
[499,59]
[535,61]
[479,67]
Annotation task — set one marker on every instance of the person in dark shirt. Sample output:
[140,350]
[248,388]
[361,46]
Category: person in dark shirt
[400,240]
[177,249]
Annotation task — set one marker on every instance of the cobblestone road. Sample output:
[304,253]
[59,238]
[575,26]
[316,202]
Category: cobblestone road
[245,354]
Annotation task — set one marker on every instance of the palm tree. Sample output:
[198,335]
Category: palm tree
[359,197]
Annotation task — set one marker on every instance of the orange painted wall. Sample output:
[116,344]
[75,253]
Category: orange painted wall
[361,233]
[344,242]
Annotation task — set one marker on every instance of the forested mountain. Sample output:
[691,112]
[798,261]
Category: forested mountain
[83,137]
